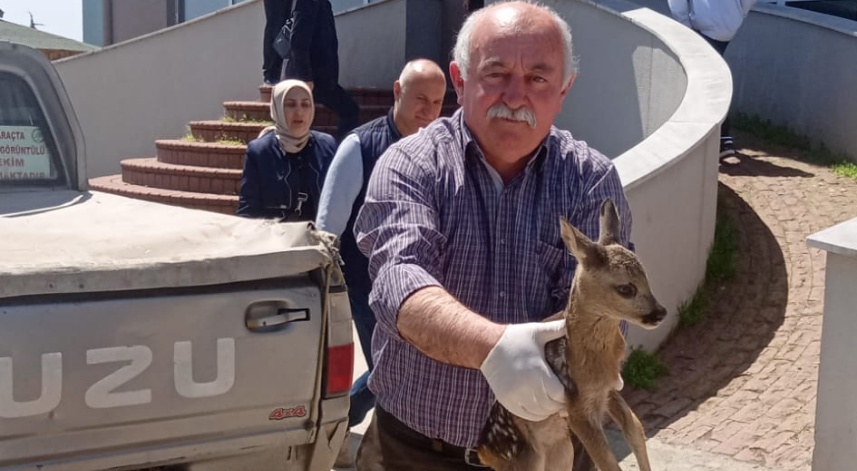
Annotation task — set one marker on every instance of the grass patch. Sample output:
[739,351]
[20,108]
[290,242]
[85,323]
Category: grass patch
[721,267]
[190,138]
[643,369]
[691,312]
[245,119]
[846,169]
[230,142]
[815,153]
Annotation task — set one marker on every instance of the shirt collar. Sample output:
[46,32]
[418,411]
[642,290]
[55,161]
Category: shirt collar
[471,147]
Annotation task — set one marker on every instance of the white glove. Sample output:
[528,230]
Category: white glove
[518,374]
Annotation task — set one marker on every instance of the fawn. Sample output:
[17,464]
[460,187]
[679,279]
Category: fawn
[609,285]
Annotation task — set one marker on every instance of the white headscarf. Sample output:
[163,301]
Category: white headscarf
[289,142]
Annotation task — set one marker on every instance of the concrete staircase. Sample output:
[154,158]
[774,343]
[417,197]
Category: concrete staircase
[203,169]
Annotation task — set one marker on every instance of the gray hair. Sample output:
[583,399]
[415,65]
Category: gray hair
[463,43]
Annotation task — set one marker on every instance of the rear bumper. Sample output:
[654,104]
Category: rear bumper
[275,451]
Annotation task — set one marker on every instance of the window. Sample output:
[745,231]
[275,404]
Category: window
[27,151]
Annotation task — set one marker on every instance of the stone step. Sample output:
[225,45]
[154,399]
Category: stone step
[226,204]
[363,96]
[255,110]
[211,131]
[149,172]
[244,111]
[200,154]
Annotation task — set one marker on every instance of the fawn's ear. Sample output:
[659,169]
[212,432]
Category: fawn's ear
[584,250]
[609,232]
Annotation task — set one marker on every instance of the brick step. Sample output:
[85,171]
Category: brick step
[242,111]
[363,96]
[256,110]
[200,154]
[154,174]
[226,204]
[210,131]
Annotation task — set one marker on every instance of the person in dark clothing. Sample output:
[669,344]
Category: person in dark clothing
[285,166]
[473,5]
[419,95]
[276,13]
[314,58]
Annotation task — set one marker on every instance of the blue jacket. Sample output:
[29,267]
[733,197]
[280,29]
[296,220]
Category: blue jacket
[314,55]
[273,181]
[375,137]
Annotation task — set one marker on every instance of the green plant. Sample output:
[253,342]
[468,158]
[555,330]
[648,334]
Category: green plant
[230,142]
[846,169]
[642,369]
[720,267]
[246,119]
[190,138]
[691,312]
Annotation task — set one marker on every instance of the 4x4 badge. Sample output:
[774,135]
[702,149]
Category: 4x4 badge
[280,414]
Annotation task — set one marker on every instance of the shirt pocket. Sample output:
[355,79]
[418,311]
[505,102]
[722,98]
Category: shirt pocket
[558,271]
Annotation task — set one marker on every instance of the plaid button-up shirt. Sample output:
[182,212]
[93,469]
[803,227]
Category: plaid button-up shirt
[436,215]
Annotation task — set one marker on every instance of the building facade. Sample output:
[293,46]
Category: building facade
[107,22]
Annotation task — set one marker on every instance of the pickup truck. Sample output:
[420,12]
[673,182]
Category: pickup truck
[135,335]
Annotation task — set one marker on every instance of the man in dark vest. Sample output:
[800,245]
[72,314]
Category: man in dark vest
[419,95]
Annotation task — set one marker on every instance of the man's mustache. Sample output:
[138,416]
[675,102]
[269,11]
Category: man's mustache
[522,114]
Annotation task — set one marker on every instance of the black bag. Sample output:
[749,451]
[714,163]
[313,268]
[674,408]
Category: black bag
[283,42]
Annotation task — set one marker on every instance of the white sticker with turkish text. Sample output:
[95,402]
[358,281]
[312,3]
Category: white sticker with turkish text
[23,153]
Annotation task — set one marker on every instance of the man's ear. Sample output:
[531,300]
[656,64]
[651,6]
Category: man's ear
[397,90]
[457,80]
[568,86]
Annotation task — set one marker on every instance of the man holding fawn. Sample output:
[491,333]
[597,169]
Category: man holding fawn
[465,253]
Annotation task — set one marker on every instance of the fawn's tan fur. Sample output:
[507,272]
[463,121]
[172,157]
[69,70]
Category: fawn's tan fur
[609,285]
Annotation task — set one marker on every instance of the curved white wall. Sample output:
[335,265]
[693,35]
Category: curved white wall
[798,68]
[650,94]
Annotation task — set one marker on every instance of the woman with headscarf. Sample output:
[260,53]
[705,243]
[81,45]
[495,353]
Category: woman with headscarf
[285,166]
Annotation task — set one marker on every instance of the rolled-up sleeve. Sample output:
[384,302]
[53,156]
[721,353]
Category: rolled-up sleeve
[397,229]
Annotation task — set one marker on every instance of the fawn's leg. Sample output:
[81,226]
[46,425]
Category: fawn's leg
[559,456]
[592,437]
[527,460]
[631,427]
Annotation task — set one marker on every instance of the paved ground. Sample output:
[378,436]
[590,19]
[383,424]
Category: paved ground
[741,394]
[743,382]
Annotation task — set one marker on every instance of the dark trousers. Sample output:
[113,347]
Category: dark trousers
[390,445]
[276,13]
[720,47]
[340,102]
[362,399]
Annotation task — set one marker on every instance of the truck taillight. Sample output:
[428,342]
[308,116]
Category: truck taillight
[340,370]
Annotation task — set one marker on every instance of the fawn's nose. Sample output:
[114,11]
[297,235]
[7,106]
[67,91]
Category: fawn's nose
[656,316]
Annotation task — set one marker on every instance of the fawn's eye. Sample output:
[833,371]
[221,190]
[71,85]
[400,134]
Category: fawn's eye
[627,291]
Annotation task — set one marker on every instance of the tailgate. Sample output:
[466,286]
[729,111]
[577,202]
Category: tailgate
[89,374]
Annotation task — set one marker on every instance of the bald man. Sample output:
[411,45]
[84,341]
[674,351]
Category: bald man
[418,94]
[460,224]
